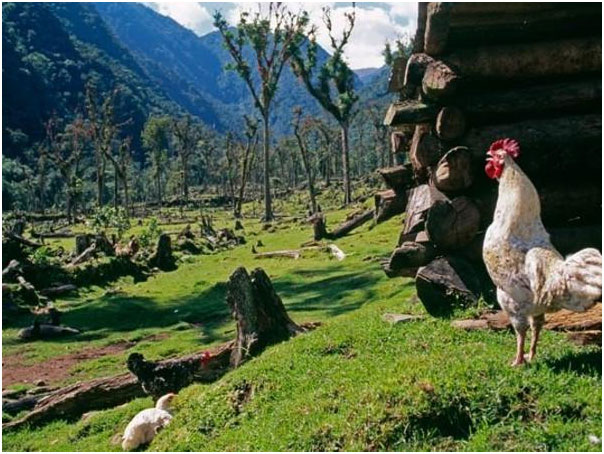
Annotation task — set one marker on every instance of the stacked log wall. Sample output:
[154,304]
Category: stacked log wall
[481,72]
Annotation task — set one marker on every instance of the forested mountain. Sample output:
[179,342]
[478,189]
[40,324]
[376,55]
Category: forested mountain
[52,49]
[188,66]
[50,52]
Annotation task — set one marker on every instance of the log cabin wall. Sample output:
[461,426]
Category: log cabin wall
[480,72]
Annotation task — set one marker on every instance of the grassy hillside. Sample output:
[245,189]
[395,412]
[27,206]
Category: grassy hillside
[355,383]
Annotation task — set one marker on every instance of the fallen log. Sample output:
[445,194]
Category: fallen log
[440,81]
[452,225]
[12,407]
[88,254]
[58,290]
[63,234]
[46,331]
[349,226]
[388,203]
[454,172]
[74,400]
[290,253]
[21,240]
[547,59]
[399,178]
[450,124]
[446,283]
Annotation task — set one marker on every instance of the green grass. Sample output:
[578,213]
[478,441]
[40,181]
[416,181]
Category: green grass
[355,383]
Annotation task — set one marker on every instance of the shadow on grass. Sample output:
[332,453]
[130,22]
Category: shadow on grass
[334,292]
[587,362]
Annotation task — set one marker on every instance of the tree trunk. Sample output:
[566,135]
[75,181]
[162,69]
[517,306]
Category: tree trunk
[346,165]
[349,226]
[268,211]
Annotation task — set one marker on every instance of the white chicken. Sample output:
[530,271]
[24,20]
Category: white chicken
[532,278]
[147,423]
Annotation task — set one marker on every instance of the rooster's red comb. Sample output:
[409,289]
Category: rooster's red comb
[510,146]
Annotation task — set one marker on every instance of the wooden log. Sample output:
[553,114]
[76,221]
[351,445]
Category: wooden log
[402,272]
[440,81]
[46,331]
[261,317]
[452,225]
[410,111]
[570,97]
[401,138]
[447,283]
[23,241]
[290,253]
[416,68]
[454,172]
[415,237]
[388,204]
[550,148]
[426,149]
[63,234]
[88,253]
[437,27]
[421,198]
[422,15]
[58,290]
[79,398]
[349,226]
[546,59]
[12,407]
[412,255]
[399,178]
[450,124]
[510,25]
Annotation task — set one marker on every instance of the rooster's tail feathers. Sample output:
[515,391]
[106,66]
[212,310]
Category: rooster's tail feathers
[583,276]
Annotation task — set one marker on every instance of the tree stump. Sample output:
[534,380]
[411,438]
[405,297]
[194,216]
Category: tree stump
[82,242]
[318,226]
[260,314]
[162,257]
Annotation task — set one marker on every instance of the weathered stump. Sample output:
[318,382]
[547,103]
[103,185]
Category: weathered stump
[261,317]
[162,257]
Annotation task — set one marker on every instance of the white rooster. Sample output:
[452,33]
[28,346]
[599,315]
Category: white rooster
[147,423]
[532,278]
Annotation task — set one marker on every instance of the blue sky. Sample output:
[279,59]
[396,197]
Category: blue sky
[376,22]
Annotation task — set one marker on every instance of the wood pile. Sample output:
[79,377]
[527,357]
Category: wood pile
[481,72]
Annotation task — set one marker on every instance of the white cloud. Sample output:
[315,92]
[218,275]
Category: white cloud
[190,15]
[375,23]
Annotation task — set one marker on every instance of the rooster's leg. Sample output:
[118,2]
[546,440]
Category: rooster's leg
[520,336]
[536,325]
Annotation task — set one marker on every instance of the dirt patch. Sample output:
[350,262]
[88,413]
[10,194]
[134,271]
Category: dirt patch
[57,369]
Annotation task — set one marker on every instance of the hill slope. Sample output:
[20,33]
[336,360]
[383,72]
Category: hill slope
[187,65]
[50,52]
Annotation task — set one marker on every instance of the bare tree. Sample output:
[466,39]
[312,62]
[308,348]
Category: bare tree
[187,135]
[334,77]
[300,130]
[65,150]
[273,36]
